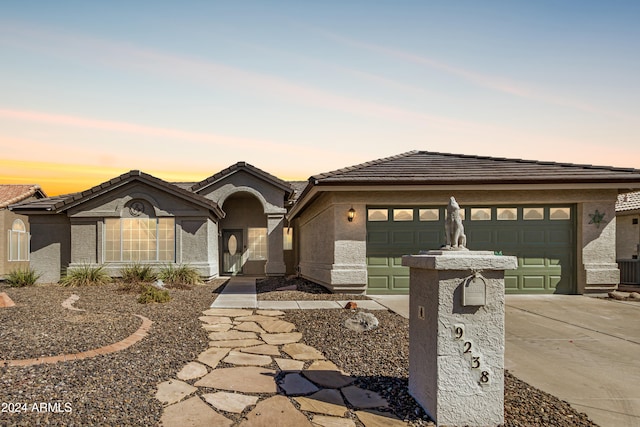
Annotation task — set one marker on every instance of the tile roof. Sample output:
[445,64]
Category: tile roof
[64,202]
[424,167]
[14,193]
[628,202]
[246,167]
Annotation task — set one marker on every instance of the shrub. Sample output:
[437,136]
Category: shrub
[134,273]
[22,277]
[86,276]
[151,294]
[179,277]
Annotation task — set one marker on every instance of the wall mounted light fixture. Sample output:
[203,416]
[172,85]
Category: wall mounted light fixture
[351,214]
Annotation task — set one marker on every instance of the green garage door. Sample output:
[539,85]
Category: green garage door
[541,237]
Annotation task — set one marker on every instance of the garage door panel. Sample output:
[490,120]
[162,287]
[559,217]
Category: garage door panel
[378,261]
[563,237]
[528,262]
[508,237]
[430,239]
[378,237]
[511,282]
[534,237]
[378,282]
[480,237]
[533,282]
[403,237]
[401,282]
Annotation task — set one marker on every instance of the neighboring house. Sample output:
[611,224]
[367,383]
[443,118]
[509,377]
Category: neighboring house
[350,227]
[558,219]
[14,243]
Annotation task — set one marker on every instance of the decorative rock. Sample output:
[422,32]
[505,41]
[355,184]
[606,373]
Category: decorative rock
[230,312]
[361,322]
[266,349]
[246,359]
[363,399]
[248,379]
[277,339]
[326,374]
[324,421]
[234,343]
[231,335]
[5,301]
[230,402]
[300,351]
[275,411]
[289,365]
[351,305]
[617,295]
[327,402]
[249,327]
[173,391]
[192,370]
[379,419]
[213,356]
[277,326]
[634,296]
[219,327]
[192,413]
[68,303]
[296,385]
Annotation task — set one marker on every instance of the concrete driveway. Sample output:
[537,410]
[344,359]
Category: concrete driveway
[583,350]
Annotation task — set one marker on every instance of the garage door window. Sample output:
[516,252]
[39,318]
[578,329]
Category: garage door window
[480,214]
[403,214]
[378,215]
[560,214]
[429,214]
[532,214]
[507,214]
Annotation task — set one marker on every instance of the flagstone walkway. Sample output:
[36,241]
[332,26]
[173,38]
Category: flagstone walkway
[268,376]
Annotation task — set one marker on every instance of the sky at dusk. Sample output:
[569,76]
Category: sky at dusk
[181,90]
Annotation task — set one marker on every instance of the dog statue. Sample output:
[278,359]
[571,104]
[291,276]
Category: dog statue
[454,230]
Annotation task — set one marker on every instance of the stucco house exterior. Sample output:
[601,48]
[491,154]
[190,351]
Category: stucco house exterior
[628,237]
[14,244]
[346,229]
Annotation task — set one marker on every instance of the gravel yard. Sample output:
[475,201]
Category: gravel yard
[119,388]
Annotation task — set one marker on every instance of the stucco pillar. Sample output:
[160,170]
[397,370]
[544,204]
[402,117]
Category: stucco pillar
[275,265]
[598,222]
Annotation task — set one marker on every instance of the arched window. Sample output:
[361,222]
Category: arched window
[18,242]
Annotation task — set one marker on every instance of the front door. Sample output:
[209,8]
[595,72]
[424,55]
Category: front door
[232,249]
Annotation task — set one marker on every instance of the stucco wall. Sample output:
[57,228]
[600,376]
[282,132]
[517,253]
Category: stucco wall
[50,246]
[333,251]
[627,234]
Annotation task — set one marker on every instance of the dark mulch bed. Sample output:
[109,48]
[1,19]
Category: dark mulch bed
[268,289]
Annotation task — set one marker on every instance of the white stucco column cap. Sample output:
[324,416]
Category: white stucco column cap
[460,260]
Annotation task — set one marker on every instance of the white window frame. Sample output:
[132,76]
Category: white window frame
[22,239]
[121,250]
[258,249]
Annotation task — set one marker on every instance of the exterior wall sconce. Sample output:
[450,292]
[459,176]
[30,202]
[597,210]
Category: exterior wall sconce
[351,214]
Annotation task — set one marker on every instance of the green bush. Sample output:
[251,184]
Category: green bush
[179,277]
[134,273]
[152,294]
[22,277]
[86,276]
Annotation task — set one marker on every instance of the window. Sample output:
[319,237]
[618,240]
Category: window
[507,214]
[287,238]
[139,239]
[532,214]
[378,215]
[257,238]
[480,214]
[560,213]
[429,214]
[403,214]
[18,242]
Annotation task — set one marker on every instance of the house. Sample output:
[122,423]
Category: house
[346,229]
[628,237]
[14,244]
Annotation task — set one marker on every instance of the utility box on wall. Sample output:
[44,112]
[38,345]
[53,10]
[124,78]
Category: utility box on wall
[456,335]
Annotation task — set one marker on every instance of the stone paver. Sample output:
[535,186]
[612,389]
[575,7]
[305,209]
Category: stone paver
[192,370]
[247,359]
[296,385]
[301,351]
[277,339]
[276,411]
[325,421]
[213,356]
[173,391]
[326,401]
[249,379]
[230,402]
[253,339]
[193,413]
[363,399]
